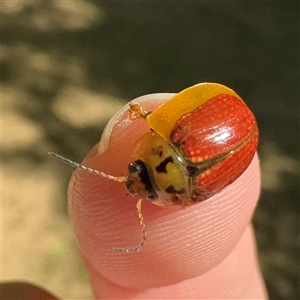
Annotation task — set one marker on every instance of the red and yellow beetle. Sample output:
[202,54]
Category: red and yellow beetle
[200,141]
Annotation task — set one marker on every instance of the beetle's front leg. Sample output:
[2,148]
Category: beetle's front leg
[136,111]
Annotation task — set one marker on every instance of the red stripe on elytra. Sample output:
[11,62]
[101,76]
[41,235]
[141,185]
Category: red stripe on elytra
[213,129]
[223,126]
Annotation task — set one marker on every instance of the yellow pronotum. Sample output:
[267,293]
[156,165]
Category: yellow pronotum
[163,119]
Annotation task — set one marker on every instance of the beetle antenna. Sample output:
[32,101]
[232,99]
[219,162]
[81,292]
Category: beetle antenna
[90,170]
[144,233]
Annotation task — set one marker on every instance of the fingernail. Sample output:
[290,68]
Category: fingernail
[149,102]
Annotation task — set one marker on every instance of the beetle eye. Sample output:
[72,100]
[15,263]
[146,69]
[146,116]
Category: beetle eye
[135,167]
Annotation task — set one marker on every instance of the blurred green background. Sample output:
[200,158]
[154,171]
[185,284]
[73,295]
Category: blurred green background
[66,68]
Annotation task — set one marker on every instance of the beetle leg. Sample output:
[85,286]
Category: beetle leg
[144,233]
[136,111]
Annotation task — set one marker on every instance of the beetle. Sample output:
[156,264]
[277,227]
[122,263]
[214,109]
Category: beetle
[200,141]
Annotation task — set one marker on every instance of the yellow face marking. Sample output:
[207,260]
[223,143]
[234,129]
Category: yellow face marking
[164,118]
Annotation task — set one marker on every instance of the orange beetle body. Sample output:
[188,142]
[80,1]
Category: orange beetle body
[201,140]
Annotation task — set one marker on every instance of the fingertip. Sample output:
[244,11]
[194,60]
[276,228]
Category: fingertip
[120,119]
[181,244]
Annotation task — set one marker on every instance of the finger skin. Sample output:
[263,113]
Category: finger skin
[236,277]
[184,246]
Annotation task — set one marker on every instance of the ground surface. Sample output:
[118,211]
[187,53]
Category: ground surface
[67,66]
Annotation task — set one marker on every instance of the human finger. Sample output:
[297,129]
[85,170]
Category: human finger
[182,244]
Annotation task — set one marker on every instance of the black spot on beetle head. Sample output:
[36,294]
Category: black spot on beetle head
[162,167]
[171,190]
